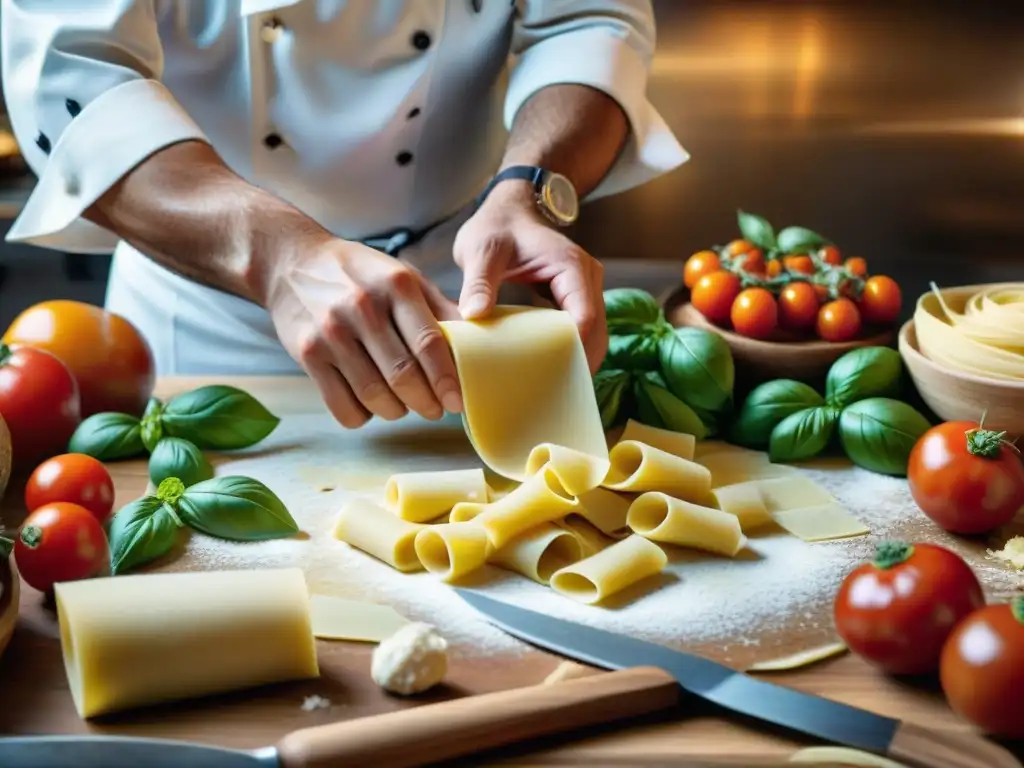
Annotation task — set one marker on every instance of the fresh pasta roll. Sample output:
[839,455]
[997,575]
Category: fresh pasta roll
[743,500]
[377,532]
[677,443]
[611,570]
[640,467]
[591,540]
[422,496]
[605,510]
[539,552]
[578,472]
[660,517]
[452,550]
[465,511]
[137,640]
[540,499]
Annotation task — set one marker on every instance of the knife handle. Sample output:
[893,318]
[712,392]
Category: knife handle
[936,749]
[435,732]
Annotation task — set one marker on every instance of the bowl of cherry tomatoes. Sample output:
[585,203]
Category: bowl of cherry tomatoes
[785,313]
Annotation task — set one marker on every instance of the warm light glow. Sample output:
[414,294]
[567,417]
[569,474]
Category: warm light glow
[808,67]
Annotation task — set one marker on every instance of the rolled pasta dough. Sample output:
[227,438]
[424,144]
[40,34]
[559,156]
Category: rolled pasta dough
[539,552]
[422,496]
[540,499]
[577,472]
[465,511]
[660,517]
[605,510]
[379,533]
[641,467]
[452,550]
[611,570]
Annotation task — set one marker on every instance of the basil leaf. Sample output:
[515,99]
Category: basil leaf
[698,367]
[757,230]
[139,532]
[175,457]
[609,386]
[803,435]
[879,433]
[152,428]
[218,417]
[108,436]
[630,310]
[712,420]
[863,373]
[799,240]
[766,406]
[658,407]
[637,351]
[236,508]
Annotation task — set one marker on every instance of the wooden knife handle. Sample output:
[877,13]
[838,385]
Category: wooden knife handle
[937,749]
[436,732]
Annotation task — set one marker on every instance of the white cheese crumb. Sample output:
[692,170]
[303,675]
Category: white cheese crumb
[1012,553]
[315,702]
[412,660]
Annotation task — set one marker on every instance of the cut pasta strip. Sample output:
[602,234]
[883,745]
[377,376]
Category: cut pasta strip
[540,499]
[465,511]
[605,510]
[824,522]
[452,550]
[611,570]
[783,493]
[576,471]
[378,532]
[640,467]
[662,518]
[743,500]
[422,496]
[539,552]
[842,756]
[730,465]
[335,618]
[677,443]
[590,539]
[799,659]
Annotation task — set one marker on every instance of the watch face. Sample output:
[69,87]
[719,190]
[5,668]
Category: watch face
[560,198]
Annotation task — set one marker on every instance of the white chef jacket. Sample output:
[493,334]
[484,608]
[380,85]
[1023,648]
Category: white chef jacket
[367,115]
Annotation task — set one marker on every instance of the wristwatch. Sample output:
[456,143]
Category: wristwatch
[556,196]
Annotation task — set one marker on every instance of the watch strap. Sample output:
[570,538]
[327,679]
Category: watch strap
[531,173]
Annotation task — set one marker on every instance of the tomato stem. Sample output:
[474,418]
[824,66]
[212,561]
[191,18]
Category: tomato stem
[6,547]
[5,353]
[986,443]
[1017,608]
[889,554]
[31,536]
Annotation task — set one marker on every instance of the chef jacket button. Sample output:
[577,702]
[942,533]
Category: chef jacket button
[403,158]
[272,140]
[272,30]
[71,186]
[43,142]
[414,112]
[477,5]
[73,107]
[421,41]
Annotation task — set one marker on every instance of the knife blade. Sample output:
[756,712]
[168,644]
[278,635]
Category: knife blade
[124,752]
[799,712]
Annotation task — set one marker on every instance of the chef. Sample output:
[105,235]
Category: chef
[317,183]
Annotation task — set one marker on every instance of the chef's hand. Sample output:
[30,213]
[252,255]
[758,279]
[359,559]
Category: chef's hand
[364,327]
[509,240]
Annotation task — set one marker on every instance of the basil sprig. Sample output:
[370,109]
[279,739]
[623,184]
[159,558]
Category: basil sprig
[108,437]
[232,507]
[175,457]
[879,433]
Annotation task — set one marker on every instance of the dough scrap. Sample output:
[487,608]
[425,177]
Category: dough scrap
[336,618]
[800,658]
[411,661]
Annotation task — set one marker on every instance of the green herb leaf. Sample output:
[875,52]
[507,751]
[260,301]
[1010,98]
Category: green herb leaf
[803,435]
[712,420]
[799,240]
[609,386]
[139,532]
[635,352]
[108,436]
[878,434]
[863,373]
[630,311]
[6,547]
[757,230]
[236,508]
[152,428]
[175,457]
[698,367]
[766,406]
[218,417]
[658,407]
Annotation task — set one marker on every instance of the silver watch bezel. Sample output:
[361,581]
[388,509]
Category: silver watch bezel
[546,199]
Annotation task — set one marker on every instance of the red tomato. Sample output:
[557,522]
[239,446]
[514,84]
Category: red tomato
[752,262]
[830,255]
[736,247]
[105,353]
[839,320]
[773,268]
[965,478]
[61,542]
[880,301]
[802,265]
[856,266]
[798,306]
[754,313]
[72,477]
[982,668]
[897,611]
[714,294]
[698,265]
[39,401]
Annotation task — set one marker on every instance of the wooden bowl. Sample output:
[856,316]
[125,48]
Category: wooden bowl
[957,396]
[801,359]
[9,588]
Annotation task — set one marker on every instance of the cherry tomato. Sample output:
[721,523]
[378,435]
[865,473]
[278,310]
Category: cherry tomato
[39,401]
[736,247]
[714,294]
[982,668]
[897,610]
[856,266]
[802,265]
[967,479]
[72,477]
[108,357]
[880,301]
[754,313]
[839,320]
[698,265]
[773,268]
[61,542]
[830,255]
[752,262]
[798,306]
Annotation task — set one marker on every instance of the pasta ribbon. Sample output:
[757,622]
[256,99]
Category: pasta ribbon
[660,517]
[611,570]
[422,496]
[678,443]
[378,532]
[452,550]
[539,552]
[743,500]
[640,467]
[540,499]
[577,472]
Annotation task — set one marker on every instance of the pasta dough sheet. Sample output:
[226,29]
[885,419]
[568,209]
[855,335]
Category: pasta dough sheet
[131,641]
[640,467]
[678,443]
[539,552]
[590,539]
[577,472]
[423,496]
[377,532]
[541,499]
[825,522]
[553,399]
[452,550]
[611,570]
[335,618]
[606,510]
[662,518]
[743,500]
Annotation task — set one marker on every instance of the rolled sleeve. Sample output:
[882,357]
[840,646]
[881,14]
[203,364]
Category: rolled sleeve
[86,105]
[607,46]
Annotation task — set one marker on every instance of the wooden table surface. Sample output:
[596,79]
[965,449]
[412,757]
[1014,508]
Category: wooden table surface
[34,697]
